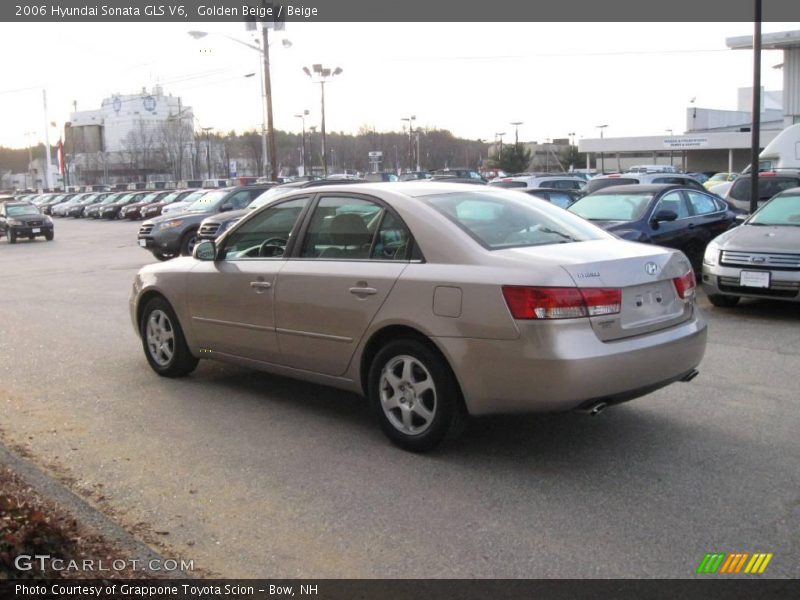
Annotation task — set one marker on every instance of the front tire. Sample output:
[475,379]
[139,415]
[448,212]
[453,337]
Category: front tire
[188,242]
[163,341]
[415,395]
[12,237]
[49,236]
[723,301]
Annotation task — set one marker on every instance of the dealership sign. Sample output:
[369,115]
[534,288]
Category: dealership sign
[685,142]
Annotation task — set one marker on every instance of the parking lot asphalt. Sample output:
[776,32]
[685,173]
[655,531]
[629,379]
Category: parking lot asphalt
[252,475]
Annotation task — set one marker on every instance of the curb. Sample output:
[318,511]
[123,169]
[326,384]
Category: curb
[54,490]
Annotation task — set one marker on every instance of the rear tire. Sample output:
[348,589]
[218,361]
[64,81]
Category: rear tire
[415,395]
[163,341]
[723,301]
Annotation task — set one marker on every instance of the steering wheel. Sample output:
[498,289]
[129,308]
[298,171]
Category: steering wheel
[272,247]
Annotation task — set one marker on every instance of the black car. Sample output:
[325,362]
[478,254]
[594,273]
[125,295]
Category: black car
[214,226]
[23,219]
[93,210]
[112,210]
[663,214]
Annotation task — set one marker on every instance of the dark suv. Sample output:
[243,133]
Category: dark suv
[214,226]
[769,184]
[23,219]
[172,235]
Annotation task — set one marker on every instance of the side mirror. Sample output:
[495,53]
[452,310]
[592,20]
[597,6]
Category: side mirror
[665,215]
[205,250]
[226,207]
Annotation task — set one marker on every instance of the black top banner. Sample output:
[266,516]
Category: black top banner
[396,11]
[398,589]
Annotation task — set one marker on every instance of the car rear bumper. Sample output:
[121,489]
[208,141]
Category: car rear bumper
[562,365]
[724,281]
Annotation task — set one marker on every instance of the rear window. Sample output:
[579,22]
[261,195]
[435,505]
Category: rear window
[499,219]
[767,187]
[508,184]
[599,184]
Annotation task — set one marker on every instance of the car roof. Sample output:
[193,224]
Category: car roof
[640,188]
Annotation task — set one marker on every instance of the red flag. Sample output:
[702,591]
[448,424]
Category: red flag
[61,167]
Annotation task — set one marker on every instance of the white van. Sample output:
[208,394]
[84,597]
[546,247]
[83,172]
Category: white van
[652,169]
[783,152]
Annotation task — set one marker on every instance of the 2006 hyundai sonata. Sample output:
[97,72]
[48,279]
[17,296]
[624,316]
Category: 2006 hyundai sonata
[435,300]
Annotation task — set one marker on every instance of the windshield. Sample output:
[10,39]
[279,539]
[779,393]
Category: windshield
[270,195]
[612,207]
[22,209]
[88,199]
[781,210]
[171,197]
[499,219]
[208,202]
[111,198]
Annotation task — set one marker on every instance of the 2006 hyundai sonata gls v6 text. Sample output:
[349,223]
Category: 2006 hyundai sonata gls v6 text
[435,300]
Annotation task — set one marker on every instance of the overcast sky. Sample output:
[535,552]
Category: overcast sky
[471,78]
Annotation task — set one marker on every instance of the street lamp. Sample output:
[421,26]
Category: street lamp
[322,75]
[516,125]
[208,150]
[410,140]
[267,89]
[303,116]
[500,135]
[602,158]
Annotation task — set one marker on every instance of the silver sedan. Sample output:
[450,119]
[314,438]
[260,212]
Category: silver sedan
[436,301]
[758,259]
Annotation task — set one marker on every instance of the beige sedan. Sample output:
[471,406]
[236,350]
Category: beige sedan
[435,300]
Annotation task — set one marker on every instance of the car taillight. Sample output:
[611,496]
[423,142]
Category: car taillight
[685,285]
[561,302]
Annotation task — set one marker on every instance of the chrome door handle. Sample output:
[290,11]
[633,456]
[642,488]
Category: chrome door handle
[363,291]
[260,285]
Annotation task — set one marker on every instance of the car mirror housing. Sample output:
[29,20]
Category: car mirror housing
[665,215]
[205,250]
[226,207]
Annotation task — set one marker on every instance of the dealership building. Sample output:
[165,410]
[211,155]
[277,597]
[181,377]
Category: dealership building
[714,140]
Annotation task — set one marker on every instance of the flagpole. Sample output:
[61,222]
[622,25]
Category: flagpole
[46,141]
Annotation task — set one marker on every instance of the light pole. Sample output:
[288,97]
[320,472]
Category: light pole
[500,135]
[30,161]
[602,158]
[516,125]
[313,130]
[302,116]
[208,150]
[410,140]
[546,155]
[669,131]
[322,74]
[571,150]
[267,90]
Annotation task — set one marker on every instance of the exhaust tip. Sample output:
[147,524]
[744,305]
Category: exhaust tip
[595,409]
[690,375]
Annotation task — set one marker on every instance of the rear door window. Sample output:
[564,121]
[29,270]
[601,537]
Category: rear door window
[702,204]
